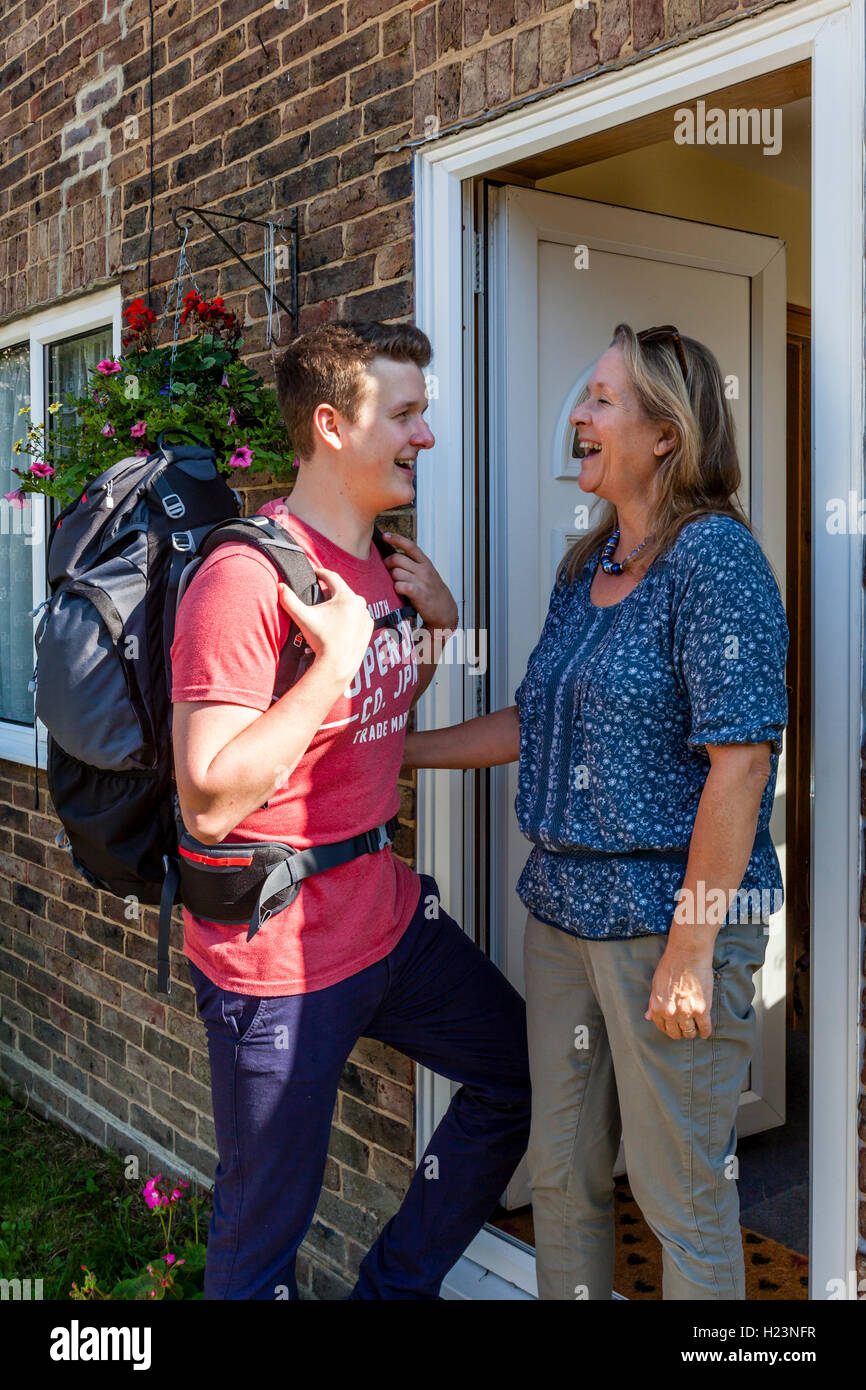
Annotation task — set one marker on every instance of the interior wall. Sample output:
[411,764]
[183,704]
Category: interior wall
[688,181]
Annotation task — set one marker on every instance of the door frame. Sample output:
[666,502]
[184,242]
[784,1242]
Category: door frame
[830,33]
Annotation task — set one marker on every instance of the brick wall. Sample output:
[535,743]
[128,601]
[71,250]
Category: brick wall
[257,108]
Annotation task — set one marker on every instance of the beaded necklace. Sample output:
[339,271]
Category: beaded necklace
[611,566]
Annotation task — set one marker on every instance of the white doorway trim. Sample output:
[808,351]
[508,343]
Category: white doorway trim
[831,34]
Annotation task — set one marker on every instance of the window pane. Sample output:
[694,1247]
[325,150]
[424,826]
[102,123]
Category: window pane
[16,570]
[68,362]
[66,366]
[66,371]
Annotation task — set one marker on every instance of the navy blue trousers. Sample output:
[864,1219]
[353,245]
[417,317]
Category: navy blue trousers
[275,1067]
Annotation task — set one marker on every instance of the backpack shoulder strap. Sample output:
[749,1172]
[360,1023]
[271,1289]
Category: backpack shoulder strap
[287,556]
[291,560]
[293,566]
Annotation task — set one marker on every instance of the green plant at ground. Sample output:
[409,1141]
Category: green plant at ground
[66,1203]
[200,385]
[169,1276]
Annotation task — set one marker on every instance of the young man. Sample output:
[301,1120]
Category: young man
[365,948]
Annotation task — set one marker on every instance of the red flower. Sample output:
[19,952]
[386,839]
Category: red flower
[139,316]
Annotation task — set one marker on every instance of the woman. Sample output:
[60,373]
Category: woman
[648,727]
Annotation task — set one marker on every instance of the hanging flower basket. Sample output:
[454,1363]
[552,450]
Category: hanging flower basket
[200,385]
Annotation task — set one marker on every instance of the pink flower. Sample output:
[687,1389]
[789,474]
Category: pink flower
[150,1194]
[18,498]
[107,367]
[232,416]
[42,470]
[141,453]
[241,458]
[107,429]
[169,1259]
[225,380]
[139,429]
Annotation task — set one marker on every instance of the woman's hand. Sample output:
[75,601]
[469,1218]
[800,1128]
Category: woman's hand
[681,995]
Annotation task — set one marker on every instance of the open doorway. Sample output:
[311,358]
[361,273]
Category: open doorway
[716,238]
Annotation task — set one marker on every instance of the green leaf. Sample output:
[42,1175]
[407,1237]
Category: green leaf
[194,1254]
[137,1288]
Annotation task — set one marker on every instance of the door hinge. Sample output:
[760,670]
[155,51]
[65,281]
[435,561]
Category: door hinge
[477,265]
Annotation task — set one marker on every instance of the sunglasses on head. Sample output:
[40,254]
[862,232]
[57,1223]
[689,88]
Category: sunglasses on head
[658,335]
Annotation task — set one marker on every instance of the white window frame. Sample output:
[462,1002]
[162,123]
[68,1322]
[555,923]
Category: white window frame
[831,34]
[101,309]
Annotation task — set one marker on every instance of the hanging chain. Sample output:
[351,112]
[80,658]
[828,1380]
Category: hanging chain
[183,270]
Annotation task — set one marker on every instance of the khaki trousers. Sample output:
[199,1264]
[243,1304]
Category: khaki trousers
[600,1069]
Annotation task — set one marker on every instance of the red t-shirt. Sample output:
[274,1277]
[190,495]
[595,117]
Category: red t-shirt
[229,631]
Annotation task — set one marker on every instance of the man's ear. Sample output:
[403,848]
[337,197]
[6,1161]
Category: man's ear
[326,425]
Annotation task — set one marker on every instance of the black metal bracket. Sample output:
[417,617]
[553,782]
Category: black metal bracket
[292,229]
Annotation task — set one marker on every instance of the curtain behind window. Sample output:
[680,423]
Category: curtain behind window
[16,562]
[67,366]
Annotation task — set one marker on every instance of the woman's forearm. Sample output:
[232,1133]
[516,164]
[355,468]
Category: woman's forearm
[488,741]
[720,848]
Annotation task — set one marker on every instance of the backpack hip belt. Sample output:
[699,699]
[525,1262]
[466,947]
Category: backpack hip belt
[231,883]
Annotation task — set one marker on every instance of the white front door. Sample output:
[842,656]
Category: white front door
[563,273]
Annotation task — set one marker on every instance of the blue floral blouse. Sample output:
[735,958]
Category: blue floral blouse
[615,708]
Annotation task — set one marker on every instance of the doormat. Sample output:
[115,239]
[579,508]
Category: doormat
[772,1270]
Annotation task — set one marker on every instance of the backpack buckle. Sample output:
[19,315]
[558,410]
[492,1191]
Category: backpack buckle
[179,543]
[376,839]
[173,505]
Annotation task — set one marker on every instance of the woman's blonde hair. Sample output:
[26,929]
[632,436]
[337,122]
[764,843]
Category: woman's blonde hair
[701,473]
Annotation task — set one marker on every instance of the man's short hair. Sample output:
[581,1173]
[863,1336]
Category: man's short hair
[329,362]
